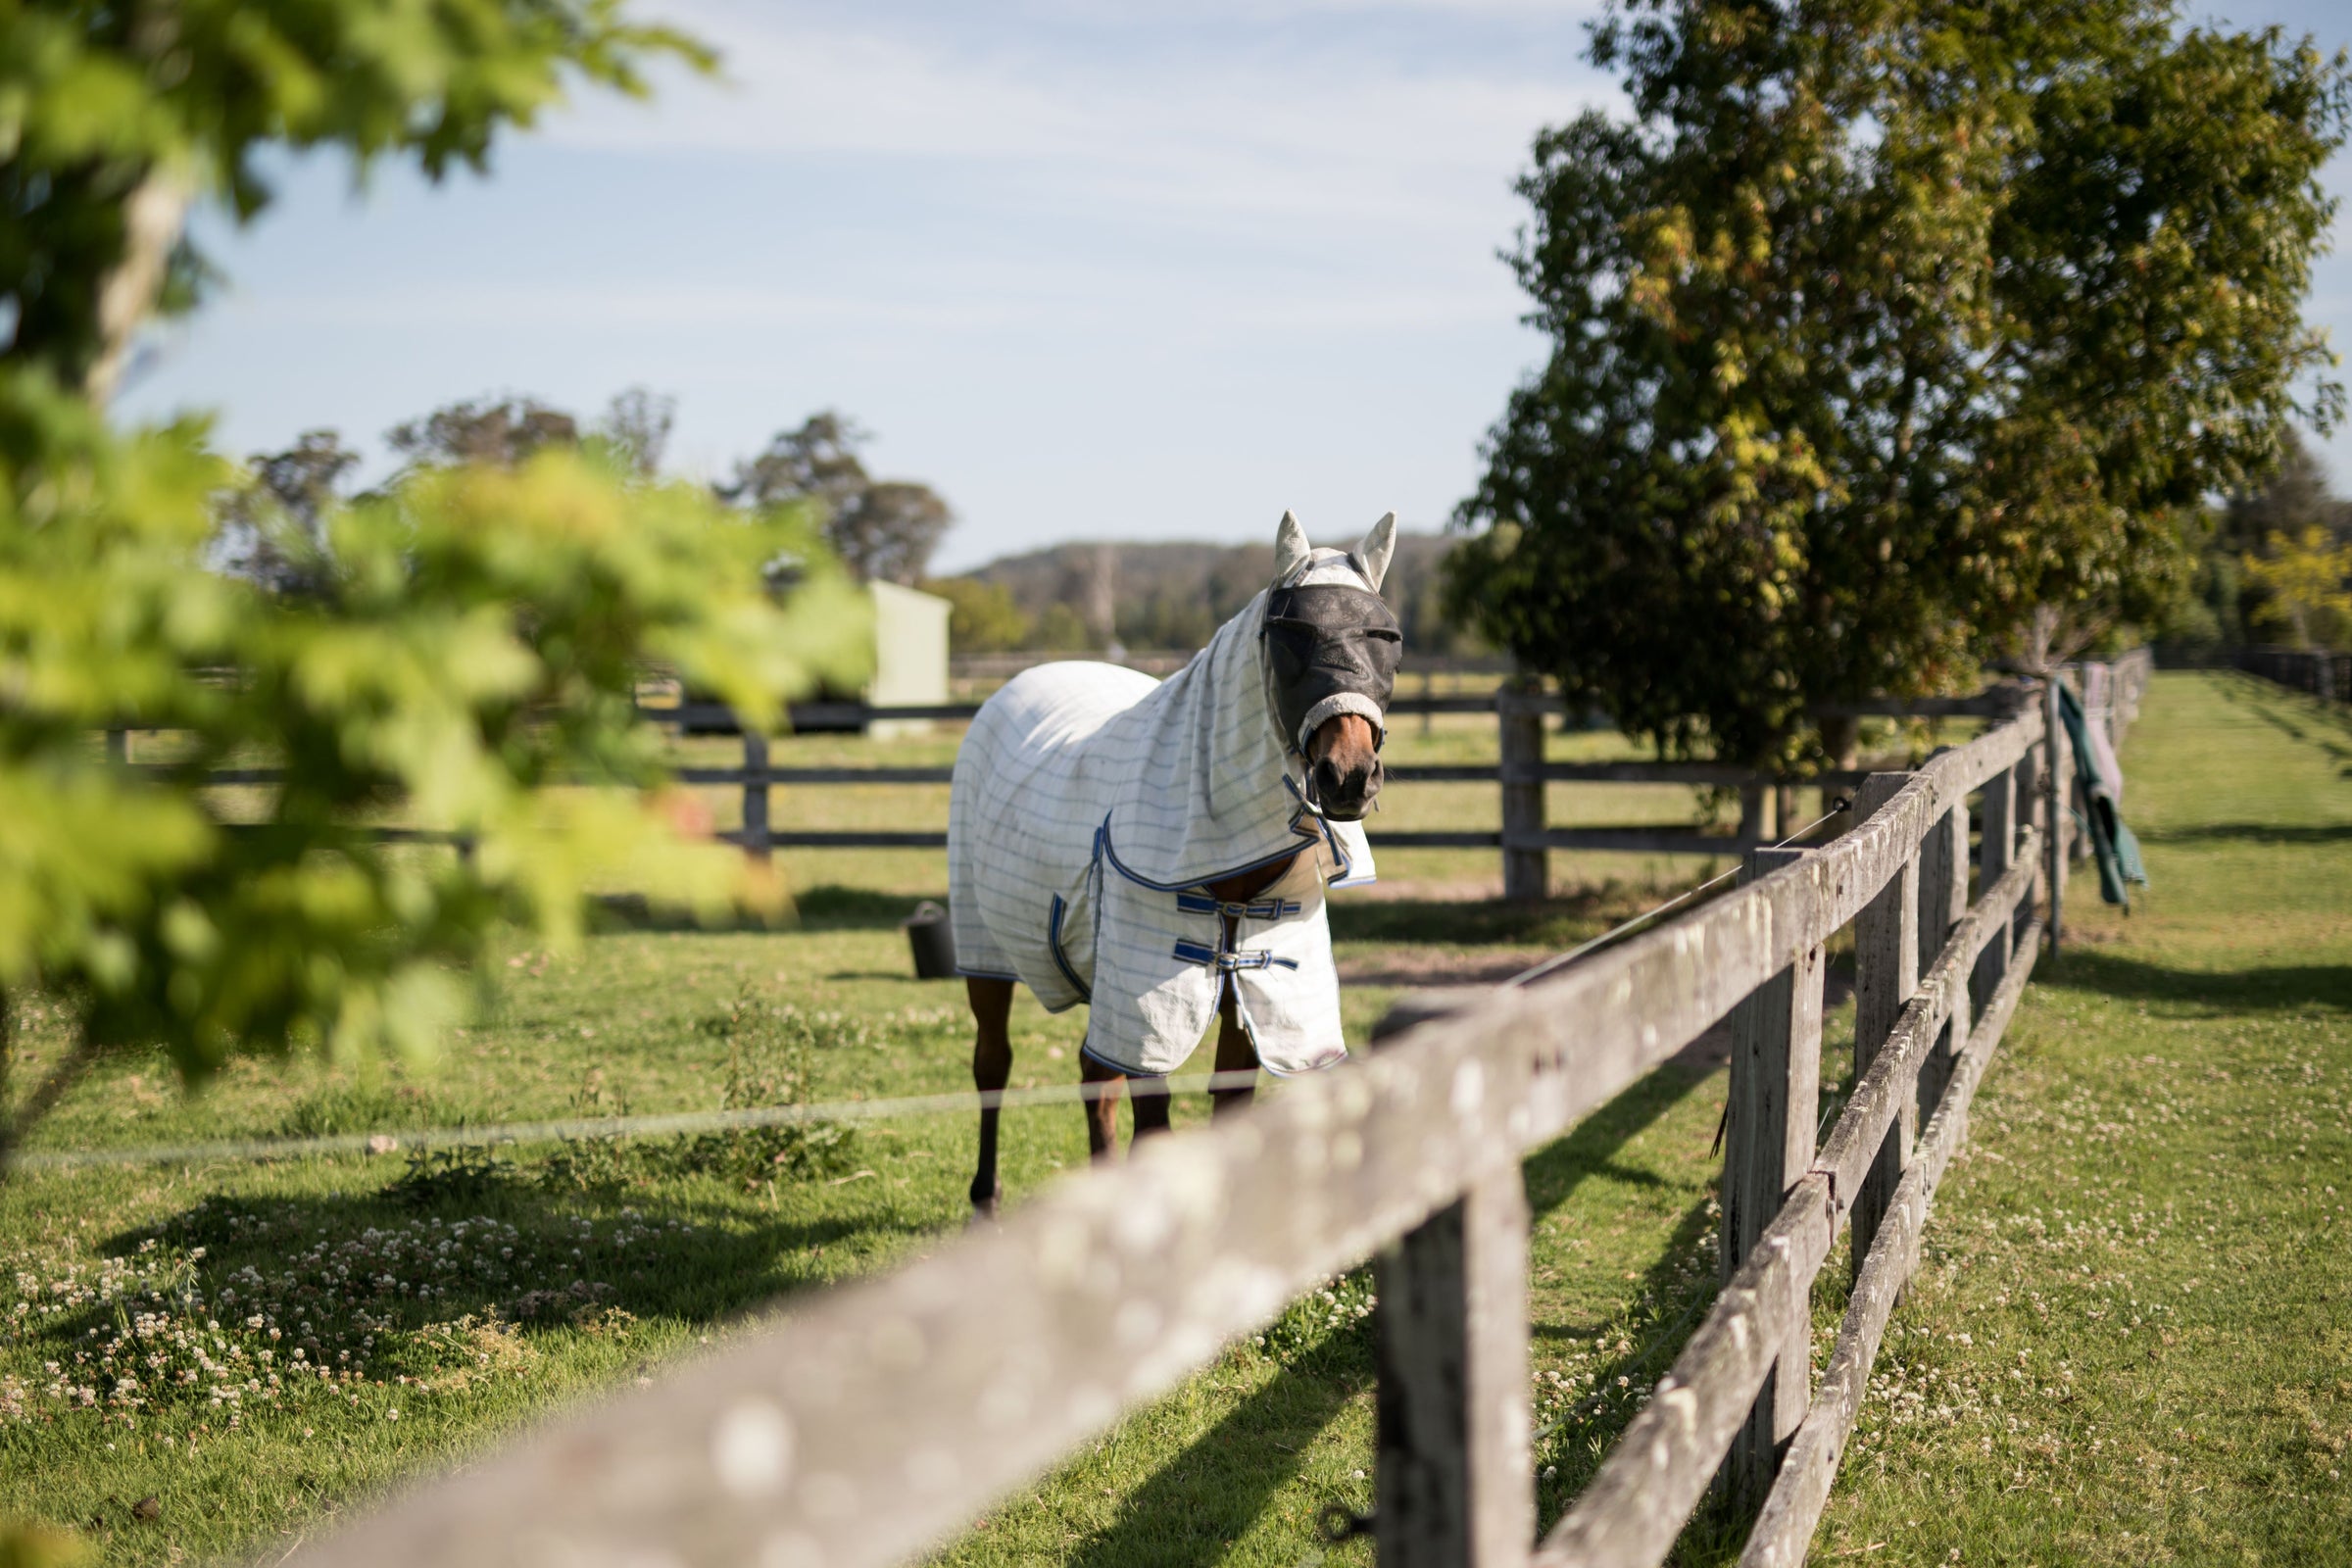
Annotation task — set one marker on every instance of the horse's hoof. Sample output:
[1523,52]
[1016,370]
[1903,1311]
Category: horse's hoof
[984,1209]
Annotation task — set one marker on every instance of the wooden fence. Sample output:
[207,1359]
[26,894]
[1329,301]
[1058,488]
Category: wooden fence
[2324,674]
[1524,839]
[879,1418]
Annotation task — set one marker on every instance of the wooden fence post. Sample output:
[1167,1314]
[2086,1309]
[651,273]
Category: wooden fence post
[1455,1487]
[1767,1149]
[1525,864]
[755,795]
[1885,974]
[2027,803]
[1997,852]
[1753,828]
[1996,849]
[1942,902]
[2055,817]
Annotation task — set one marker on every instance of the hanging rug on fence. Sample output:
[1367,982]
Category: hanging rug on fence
[2098,803]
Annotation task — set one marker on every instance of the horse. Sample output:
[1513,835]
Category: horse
[1160,850]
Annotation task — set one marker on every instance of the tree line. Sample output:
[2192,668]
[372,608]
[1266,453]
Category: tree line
[879,529]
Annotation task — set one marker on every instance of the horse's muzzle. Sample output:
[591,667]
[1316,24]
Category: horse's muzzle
[1345,792]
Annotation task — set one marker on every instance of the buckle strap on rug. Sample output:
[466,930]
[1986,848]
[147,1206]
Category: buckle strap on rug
[1261,909]
[1203,953]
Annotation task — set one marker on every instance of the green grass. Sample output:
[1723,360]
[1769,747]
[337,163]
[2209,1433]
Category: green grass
[2107,1136]
[2130,1339]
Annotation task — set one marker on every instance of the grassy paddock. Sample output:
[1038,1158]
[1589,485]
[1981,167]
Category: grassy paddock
[2159,1144]
[2131,1340]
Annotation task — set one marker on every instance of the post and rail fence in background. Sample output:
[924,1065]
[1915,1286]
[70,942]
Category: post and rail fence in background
[879,1417]
[2320,672]
[1521,709]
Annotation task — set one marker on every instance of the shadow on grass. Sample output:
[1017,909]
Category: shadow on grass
[547,1274]
[2251,833]
[1591,1148]
[2264,701]
[830,908]
[1199,1503]
[2223,991]
[1668,1303]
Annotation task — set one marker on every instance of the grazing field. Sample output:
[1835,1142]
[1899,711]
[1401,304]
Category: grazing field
[2152,1215]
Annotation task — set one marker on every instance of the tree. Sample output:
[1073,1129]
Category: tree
[502,429]
[1881,328]
[118,116]
[273,525]
[881,529]
[467,655]
[2224,601]
[984,617]
[2294,498]
[637,425]
[2309,579]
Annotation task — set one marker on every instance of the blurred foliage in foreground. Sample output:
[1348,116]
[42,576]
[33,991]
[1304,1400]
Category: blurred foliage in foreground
[466,644]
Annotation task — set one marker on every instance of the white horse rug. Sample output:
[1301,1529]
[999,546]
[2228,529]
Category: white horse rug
[1091,807]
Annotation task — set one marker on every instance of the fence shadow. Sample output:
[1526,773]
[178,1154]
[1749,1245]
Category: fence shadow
[2223,991]
[2250,833]
[1199,1504]
[826,907]
[312,1247]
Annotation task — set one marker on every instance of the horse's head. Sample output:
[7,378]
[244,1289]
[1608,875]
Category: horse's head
[1332,647]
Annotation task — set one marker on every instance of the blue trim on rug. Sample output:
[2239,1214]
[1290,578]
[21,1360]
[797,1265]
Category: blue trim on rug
[1061,960]
[1121,1068]
[1102,838]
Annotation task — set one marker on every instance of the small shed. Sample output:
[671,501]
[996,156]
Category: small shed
[910,656]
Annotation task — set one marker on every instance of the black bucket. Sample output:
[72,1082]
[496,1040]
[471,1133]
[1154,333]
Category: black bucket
[933,941]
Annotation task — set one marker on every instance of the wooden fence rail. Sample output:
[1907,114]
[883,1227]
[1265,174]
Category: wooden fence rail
[878,1418]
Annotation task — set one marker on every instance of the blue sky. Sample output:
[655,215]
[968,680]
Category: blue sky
[1094,269]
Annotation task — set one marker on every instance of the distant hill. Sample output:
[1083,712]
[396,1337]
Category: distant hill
[1175,595]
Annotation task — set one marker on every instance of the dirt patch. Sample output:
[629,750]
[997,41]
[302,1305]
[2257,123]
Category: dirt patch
[1438,966]
[1390,890]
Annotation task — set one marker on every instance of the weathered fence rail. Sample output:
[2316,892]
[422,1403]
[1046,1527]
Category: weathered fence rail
[878,1418]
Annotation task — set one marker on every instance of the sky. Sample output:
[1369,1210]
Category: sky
[1093,269]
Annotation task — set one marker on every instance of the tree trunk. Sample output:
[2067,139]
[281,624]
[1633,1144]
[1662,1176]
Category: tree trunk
[150,222]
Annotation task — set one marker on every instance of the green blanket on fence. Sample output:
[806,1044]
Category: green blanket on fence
[2099,787]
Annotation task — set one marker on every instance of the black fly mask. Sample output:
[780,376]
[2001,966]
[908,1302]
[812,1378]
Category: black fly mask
[1330,650]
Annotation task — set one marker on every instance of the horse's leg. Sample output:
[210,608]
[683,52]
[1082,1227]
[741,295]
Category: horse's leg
[1150,1099]
[1235,1055]
[1236,1052]
[992,1066]
[1102,1108]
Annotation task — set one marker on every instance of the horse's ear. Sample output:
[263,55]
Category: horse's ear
[1380,544]
[1291,549]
